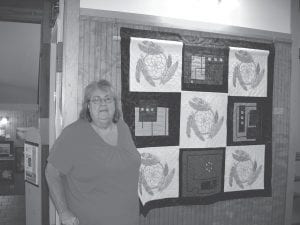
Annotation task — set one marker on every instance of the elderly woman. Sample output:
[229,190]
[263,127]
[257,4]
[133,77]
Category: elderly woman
[92,170]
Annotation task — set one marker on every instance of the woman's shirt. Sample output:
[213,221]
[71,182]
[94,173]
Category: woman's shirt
[101,179]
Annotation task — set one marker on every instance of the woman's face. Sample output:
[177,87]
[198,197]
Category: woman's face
[102,107]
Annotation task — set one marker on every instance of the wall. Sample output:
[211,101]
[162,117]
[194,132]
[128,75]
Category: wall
[271,15]
[19,62]
[99,57]
[20,115]
[17,95]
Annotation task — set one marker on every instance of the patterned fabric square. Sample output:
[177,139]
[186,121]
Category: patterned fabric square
[249,121]
[159,173]
[244,168]
[156,125]
[203,120]
[248,72]
[201,172]
[155,65]
[153,118]
[205,68]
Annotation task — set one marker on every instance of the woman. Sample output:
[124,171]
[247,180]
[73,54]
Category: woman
[92,170]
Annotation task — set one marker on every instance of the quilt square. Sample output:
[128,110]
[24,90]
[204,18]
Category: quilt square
[203,119]
[248,72]
[154,124]
[153,118]
[159,173]
[244,168]
[201,172]
[249,121]
[205,68]
[155,65]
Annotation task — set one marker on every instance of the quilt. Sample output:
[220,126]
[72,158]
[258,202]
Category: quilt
[200,115]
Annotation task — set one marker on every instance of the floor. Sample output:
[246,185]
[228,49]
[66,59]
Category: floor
[12,204]
[12,210]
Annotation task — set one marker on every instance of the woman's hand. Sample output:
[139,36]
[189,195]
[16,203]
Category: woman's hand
[57,193]
[67,218]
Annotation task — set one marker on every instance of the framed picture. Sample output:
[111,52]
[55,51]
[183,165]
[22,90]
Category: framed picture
[6,148]
[31,151]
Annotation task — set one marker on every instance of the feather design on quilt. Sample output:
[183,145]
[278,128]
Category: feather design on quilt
[154,65]
[244,170]
[203,121]
[154,175]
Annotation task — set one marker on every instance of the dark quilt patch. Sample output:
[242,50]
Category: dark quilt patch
[153,118]
[205,68]
[248,120]
[201,172]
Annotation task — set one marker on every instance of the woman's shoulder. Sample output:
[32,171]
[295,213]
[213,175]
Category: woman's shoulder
[74,128]
[122,124]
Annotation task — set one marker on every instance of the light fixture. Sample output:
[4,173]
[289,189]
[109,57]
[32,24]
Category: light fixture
[4,121]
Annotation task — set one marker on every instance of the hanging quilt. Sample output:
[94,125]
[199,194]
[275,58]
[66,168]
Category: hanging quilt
[200,115]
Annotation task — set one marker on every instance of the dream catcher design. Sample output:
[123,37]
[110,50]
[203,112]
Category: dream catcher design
[244,171]
[156,67]
[247,72]
[203,121]
[154,175]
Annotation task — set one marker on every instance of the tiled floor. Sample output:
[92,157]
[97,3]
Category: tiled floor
[12,210]
[12,206]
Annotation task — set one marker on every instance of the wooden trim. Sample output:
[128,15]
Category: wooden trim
[187,24]
[297,156]
[21,15]
[44,186]
[294,129]
[70,60]
[296,194]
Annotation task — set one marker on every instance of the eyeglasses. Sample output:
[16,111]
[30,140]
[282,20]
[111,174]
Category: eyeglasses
[98,100]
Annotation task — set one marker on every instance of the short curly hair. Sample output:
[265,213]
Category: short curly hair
[103,85]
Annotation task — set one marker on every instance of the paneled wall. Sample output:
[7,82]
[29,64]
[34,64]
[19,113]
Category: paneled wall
[99,57]
[19,117]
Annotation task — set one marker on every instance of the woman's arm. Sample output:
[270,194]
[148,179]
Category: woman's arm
[57,194]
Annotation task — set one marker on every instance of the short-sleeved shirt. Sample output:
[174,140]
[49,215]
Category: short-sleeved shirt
[101,179]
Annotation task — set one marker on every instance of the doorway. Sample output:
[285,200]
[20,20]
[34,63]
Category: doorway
[19,62]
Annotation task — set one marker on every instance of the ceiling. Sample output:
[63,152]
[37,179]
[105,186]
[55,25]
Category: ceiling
[19,62]
[29,4]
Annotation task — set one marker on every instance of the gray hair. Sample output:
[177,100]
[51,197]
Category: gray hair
[103,85]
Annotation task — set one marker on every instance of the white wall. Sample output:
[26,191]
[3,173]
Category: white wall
[270,15]
[12,94]
[19,62]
